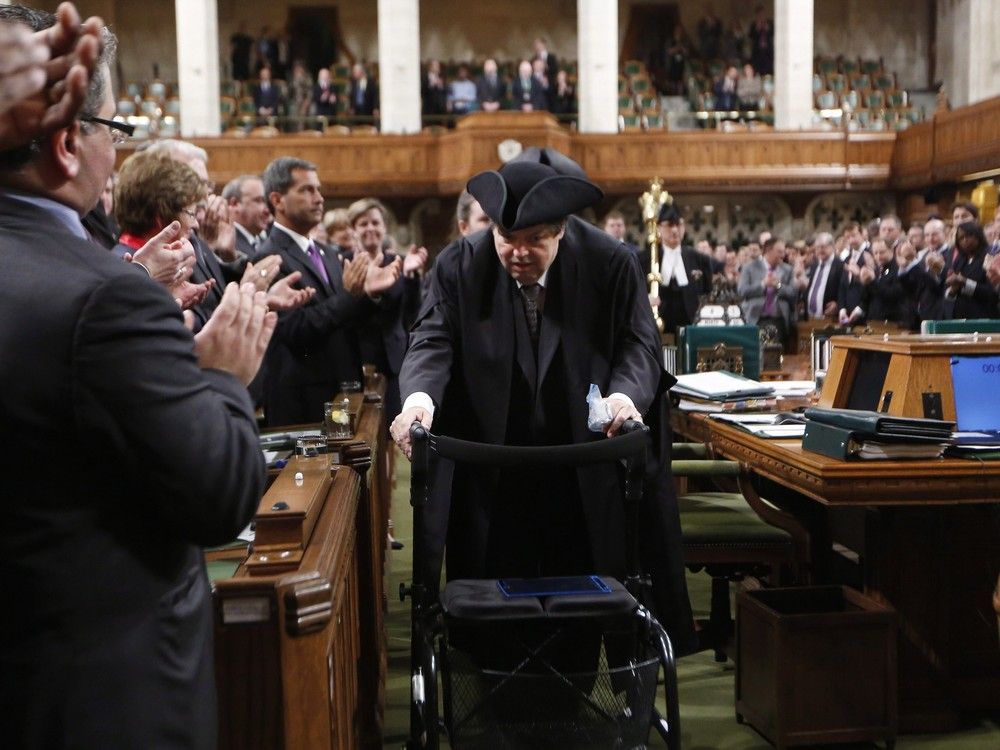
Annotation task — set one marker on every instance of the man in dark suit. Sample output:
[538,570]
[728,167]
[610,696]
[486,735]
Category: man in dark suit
[364,93]
[315,347]
[547,58]
[267,99]
[324,94]
[685,274]
[851,290]
[823,275]
[518,323]
[111,645]
[248,212]
[527,93]
[490,87]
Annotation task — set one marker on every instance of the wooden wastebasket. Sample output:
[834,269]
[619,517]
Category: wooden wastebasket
[816,665]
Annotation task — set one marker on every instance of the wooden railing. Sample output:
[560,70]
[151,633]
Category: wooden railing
[952,147]
[947,148]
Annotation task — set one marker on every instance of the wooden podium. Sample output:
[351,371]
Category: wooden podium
[905,376]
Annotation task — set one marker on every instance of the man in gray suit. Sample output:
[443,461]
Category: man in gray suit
[768,291]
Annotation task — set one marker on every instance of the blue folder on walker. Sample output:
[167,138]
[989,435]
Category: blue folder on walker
[513,588]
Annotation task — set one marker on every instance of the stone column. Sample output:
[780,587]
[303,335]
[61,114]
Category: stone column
[793,64]
[399,65]
[198,66]
[983,50]
[597,65]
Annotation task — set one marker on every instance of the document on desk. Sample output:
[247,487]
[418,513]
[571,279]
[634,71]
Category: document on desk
[770,426]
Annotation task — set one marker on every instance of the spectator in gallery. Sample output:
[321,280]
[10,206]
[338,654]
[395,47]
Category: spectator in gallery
[526,91]
[548,60]
[461,92]
[563,95]
[266,50]
[324,94]
[301,89]
[240,50]
[490,88]
[726,96]
[749,89]
[761,36]
[676,55]
[267,99]
[541,75]
[433,95]
[364,100]
[709,34]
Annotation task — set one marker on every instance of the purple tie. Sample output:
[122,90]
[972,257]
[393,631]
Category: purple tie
[769,298]
[317,261]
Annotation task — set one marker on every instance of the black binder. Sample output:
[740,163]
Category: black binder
[877,425]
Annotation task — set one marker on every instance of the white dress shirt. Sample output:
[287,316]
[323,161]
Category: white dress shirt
[672,266]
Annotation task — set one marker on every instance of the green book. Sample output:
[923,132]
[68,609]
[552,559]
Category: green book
[844,443]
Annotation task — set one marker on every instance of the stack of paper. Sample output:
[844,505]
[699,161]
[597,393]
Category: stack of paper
[722,391]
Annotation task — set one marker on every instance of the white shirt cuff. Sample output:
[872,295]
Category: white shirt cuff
[419,399]
[970,288]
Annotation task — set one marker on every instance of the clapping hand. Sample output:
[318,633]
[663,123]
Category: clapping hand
[380,278]
[262,273]
[236,336]
[415,261]
[166,258]
[217,229]
[355,273]
[282,296]
[45,76]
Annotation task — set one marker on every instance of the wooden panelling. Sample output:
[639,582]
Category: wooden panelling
[945,149]
[429,164]
[948,148]
[967,140]
[913,157]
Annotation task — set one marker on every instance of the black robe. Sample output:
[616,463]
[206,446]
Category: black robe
[470,351]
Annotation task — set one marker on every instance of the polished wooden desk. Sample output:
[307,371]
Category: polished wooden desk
[931,550]
[284,686]
[287,652]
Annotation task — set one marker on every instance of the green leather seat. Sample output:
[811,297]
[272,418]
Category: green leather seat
[731,535]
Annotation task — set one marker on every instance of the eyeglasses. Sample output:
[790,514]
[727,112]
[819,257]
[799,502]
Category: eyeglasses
[120,131]
[191,213]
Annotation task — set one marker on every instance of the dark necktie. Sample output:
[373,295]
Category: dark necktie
[770,295]
[531,294]
[814,309]
[317,261]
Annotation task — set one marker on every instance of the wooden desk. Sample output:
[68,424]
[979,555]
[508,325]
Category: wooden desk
[286,622]
[281,684]
[931,550]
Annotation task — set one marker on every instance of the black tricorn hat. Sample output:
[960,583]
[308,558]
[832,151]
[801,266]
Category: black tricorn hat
[524,194]
[550,157]
[669,214]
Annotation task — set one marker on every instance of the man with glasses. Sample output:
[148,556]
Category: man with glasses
[518,323]
[110,645]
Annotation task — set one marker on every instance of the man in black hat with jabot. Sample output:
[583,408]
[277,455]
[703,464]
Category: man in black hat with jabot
[685,274]
[520,319]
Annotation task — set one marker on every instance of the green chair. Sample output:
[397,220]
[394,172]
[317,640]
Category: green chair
[850,99]
[875,99]
[861,81]
[897,99]
[733,535]
[633,67]
[837,82]
[625,104]
[826,65]
[849,66]
[885,82]
[654,121]
[871,67]
[629,122]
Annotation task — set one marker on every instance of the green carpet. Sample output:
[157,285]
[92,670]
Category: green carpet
[706,688]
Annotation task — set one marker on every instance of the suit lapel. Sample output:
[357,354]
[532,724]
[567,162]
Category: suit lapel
[522,339]
[298,261]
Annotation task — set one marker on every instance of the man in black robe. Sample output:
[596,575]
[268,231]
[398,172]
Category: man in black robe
[519,321]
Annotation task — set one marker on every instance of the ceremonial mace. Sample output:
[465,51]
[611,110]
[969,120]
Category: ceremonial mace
[650,202]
